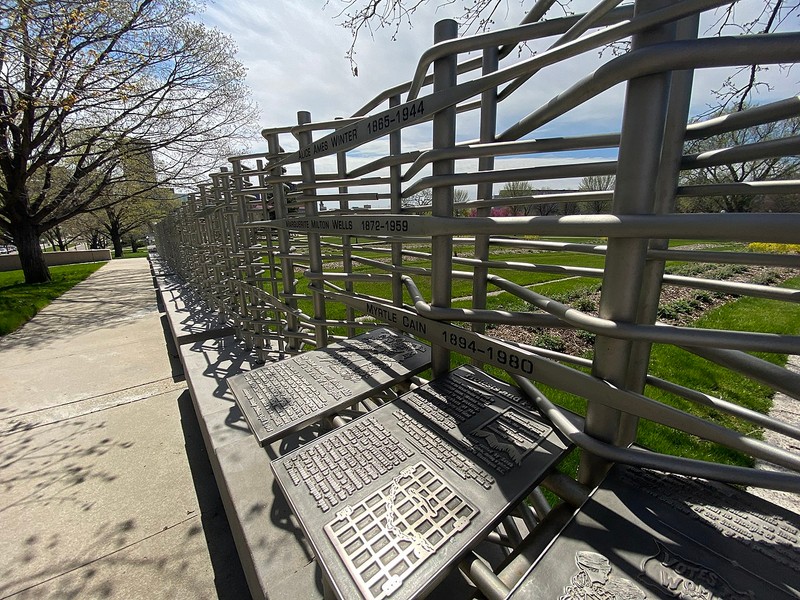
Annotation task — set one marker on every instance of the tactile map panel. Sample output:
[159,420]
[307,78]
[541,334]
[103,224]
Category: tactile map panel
[395,498]
[285,396]
[383,538]
[646,535]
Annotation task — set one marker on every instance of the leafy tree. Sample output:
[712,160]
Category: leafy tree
[460,196]
[776,168]
[515,189]
[61,236]
[596,183]
[512,189]
[420,199]
[85,86]
[123,218]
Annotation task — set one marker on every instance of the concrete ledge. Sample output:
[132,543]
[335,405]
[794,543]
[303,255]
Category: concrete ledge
[276,558]
[10,262]
[188,320]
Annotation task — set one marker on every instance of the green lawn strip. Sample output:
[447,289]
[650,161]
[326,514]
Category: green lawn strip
[19,301]
[674,364]
[137,254]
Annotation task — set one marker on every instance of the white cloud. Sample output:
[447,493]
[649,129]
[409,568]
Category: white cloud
[294,52]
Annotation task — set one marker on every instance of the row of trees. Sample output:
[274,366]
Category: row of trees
[773,168]
[118,225]
[98,97]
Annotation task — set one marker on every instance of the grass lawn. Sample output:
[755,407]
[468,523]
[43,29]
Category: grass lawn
[19,301]
[679,366]
[126,253]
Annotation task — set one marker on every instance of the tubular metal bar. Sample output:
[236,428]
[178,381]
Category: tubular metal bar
[673,56]
[757,115]
[528,516]
[309,186]
[516,565]
[486,149]
[746,152]
[347,261]
[566,488]
[607,35]
[588,20]
[540,199]
[735,288]
[740,412]
[789,186]
[734,258]
[395,177]
[314,248]
[766,49]
[601,392]
[501,540]
[488,126]
[778,378]
[512,531]
[668,171]
[551,172]
[734,227]
[482,576]
[444,136]
[384,162]
[539,503]
[789,482]
[284,245]
[509,38]
[665,334]
[725,287]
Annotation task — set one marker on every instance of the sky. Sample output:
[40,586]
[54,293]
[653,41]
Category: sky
[294,52]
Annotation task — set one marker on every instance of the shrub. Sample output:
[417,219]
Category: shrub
[774,248]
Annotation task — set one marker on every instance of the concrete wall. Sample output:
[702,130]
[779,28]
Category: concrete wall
[10,262]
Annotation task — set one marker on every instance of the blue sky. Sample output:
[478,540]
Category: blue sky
[294,52]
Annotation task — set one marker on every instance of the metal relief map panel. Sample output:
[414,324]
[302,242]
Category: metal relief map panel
[646,535]
[385,537]
[287,395]
[393,499]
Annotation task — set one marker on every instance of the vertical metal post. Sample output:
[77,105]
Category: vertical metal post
[268,233]
[444,136]
[314,247]
[637,172]
[230,249]
[669,170]
[396,205]
[347,248]
[284,245]
[485,190]
[244,261]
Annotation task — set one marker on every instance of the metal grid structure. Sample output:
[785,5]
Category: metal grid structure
[254,244]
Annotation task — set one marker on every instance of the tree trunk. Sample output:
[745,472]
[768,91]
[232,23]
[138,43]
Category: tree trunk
[62,244]
[26,238]
[116,240]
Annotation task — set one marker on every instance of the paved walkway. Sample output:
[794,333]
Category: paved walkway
[105,489]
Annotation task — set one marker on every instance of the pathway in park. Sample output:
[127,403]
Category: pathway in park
[105,488]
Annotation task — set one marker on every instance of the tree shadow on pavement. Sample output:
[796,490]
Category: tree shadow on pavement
[113,294]
[229,577]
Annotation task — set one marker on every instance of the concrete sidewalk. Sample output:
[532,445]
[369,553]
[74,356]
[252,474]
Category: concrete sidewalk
[105,489]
